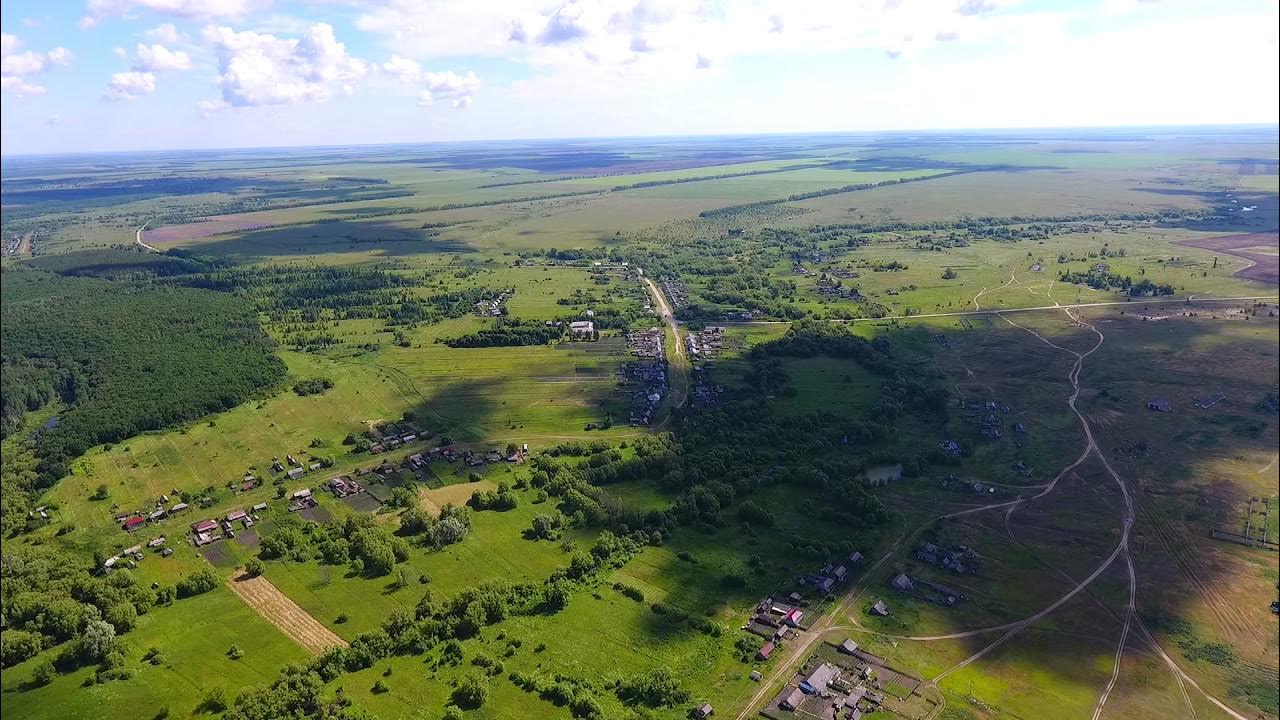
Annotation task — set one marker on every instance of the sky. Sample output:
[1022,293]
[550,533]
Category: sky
[126,75]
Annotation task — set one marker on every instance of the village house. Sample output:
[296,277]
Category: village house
[793,701]
[155,542]
[704,710]
[879,608]
[1158,404]
[204,527]
[134,523]
[296,473]
[848,647]
[820,678]
[765,651]
[259,507]
[582,329]
[901,582]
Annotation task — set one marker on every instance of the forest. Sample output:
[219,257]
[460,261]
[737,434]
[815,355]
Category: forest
[121,357]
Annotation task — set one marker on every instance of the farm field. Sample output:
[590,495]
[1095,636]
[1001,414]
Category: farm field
[1026,398]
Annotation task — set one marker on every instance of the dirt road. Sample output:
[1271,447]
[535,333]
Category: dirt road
[677,361]
[138,237]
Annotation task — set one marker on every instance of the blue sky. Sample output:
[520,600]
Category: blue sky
[157,74]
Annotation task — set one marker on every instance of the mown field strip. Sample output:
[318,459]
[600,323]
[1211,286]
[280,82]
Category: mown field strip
[276,607]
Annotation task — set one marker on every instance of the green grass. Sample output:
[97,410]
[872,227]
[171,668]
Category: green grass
[193,637]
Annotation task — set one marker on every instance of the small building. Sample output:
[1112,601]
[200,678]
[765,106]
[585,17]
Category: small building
[302,494]
[901,582]
[840,573]
[582,328]
[793,617]
[157,515]
[314,466]
[296,473]
[755,676]
[848,647]
[156,542]
[793,701]
[235,515]
[765,651]
[177,508]
[132,550]
[704,710]
[134,523]
[1158,404]
[166,552]
[820,678]
[110,562]
[825,584]
[259,507]
[855,558]
[879,608]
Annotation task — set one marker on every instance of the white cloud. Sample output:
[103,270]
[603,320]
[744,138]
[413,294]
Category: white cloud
[155,58]
[120,52]
[404,69]
[18,69]
[166,33]
[262,69]
[449,86]
[61,56]
[53,120]
[18,86]
[98,10]
[130,85]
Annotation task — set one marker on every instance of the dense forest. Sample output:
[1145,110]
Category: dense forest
[123,357]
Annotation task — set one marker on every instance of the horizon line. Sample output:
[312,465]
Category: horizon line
[674,136]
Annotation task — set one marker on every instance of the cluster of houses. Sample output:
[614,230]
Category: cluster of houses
[830,575]
[302,500]
[988,416]
[132,522]
[131,556]
[648,375]
[343,486]
[835,287]
[960,560]
[704,392]
[211,530]
[775,621]
[493,307]
[676,293]
[953,482]
[830,691]
[706,343]
[925,590]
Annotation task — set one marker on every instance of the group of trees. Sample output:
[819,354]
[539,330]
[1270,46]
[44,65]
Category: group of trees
[55,600]
[1105,280]
[508,333]
[500,498]
[359,540]
[450,527]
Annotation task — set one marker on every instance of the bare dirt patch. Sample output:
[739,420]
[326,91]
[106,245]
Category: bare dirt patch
[458,494]
[259,594]
[249,539]
[1257,248]
[316,515]
[216,225]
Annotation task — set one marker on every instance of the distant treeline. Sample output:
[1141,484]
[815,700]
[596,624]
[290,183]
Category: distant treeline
[1103,280]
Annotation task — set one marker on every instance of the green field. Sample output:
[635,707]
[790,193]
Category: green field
[623,548]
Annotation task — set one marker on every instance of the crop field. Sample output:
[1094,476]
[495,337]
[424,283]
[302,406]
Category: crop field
[1053,358]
